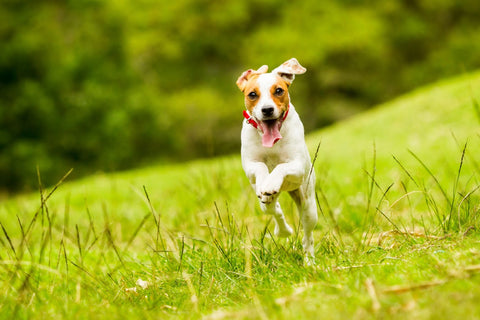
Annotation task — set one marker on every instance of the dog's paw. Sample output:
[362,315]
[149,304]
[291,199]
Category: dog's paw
[266,197]
[269,189]
[309,249]
[309,261]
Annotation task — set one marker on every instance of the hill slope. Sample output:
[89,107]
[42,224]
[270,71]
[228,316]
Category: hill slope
[431,122]
[394,192]
[423,131]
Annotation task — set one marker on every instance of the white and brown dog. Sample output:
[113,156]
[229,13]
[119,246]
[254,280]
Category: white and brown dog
[275,157]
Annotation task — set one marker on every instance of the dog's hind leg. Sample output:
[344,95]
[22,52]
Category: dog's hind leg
[309,220]
[307,208]
[282,229]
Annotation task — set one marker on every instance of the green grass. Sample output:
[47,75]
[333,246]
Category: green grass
[398,194]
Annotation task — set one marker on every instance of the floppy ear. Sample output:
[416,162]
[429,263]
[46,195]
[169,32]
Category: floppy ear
[289,69]
[243,79]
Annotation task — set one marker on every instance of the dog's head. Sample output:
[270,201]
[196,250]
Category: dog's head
[266,96]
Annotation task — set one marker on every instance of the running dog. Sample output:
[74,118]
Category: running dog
[275,157]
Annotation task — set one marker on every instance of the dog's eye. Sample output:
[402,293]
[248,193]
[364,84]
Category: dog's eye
[252,95]
[279,91]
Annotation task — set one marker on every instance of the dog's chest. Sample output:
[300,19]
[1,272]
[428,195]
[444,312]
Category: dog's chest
[280,153]
[271,160]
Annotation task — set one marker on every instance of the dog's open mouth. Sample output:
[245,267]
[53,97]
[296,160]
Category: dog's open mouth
[271,132]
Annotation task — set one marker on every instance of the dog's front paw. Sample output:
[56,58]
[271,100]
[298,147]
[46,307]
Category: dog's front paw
[266,197]
[269,189]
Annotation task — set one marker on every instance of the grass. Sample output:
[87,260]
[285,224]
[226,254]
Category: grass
[398,194]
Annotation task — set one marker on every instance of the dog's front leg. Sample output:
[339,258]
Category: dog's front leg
[285,177]
[257,173]
[282,229]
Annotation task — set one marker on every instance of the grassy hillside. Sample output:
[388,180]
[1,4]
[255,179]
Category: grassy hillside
[398,232]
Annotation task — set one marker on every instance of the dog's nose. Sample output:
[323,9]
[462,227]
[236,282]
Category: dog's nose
[267,111]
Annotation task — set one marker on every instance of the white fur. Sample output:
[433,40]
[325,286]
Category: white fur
[284,167]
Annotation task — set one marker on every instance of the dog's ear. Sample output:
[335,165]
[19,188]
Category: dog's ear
[289,69]
[243,79]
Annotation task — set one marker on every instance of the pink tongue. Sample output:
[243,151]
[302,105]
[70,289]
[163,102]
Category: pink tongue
[271,133]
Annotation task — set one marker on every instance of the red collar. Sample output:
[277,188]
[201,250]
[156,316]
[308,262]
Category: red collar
[250,120]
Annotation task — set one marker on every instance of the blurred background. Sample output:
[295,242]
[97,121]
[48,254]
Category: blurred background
[114,84]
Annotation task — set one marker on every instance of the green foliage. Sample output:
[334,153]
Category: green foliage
[108,85]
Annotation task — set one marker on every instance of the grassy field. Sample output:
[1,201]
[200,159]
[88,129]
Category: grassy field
[398,195]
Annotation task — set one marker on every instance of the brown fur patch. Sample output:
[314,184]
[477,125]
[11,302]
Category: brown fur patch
[281,100]
[251,86]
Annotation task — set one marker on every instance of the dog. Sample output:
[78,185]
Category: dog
[274,154]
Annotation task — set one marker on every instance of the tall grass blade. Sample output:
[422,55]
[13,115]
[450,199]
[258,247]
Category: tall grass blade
[381,212]
[219,216]
[182,251]
[79,244]
[455,187]
[313,163]
[91,224]
[372,179]
[406,171]
[137,230]
[473,214]
[112,244]
[217,243]
[158,235]
[45,199]
[476,108]
[9,241]
[331,215]
[442,218]
[40,190]
[447,199]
